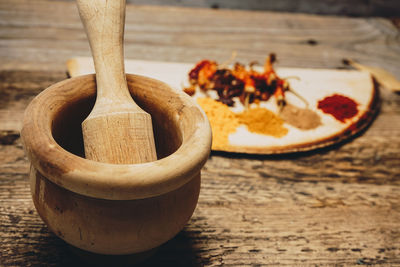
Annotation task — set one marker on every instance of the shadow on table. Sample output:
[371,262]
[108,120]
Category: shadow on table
[179,251]
[49,250]
[281,156]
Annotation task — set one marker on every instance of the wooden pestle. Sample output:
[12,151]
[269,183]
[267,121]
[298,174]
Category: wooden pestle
[117,130]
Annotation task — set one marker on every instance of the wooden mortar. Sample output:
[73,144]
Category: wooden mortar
[114,209]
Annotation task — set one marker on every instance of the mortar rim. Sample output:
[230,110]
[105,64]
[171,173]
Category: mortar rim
[91,178]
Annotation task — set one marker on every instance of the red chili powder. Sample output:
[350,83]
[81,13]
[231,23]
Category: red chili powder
[340,107]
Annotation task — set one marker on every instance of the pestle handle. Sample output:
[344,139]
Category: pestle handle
[117,130]
[104,24]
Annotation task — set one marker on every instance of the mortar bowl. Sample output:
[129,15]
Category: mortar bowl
[114,209]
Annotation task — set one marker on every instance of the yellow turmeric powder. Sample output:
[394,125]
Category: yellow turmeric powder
[223,121]
[263,121]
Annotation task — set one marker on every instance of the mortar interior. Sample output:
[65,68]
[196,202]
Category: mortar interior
[67,131]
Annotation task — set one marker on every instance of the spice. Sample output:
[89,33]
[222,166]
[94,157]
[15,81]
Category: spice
[223,121]
[240,81]
[263,121]
[340,107]
[302,118]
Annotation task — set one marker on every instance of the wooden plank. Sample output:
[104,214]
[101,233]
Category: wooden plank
[45,34]
[251,211]
[17,89]
[337,206]
[386,8]
[34,37]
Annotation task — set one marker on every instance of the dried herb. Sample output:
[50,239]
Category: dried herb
[240,81]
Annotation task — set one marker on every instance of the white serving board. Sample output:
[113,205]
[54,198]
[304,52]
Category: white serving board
[313,85]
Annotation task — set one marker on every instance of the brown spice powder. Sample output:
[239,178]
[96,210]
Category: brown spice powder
[263,121]
[301,118]
[223,121]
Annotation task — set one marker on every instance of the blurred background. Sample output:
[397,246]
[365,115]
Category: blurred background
[382,8]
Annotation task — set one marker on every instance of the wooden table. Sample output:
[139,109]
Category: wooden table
[336,206]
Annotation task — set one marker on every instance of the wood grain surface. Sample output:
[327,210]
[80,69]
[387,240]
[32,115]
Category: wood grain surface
[385,8]
[334,207]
